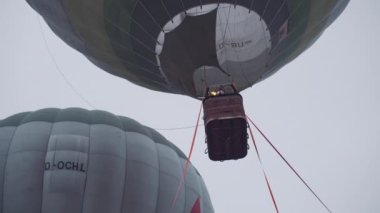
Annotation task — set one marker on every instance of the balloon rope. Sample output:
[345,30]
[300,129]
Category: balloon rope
[184,171]
[290,166]
[65,79]
[262,168]
[176,128]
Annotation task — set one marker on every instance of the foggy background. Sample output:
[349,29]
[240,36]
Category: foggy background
[322,111]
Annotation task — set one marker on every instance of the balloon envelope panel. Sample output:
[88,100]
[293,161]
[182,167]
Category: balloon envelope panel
[74,160]
[183,46]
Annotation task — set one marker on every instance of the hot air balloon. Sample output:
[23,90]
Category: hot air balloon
[185,46]
[74,160]
[190,47]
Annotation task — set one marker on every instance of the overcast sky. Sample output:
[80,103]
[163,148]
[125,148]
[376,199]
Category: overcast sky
[322,111]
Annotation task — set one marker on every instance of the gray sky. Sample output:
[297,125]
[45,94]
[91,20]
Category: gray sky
[322,111]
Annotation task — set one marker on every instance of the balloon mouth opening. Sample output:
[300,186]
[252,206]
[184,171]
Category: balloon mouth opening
[241,37]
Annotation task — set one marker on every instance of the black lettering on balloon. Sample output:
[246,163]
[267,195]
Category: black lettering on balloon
[81,168]
[60,164]
[75,166]
[237,44]
[66,165]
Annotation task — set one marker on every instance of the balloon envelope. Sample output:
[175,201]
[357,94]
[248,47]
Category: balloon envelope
[183,46]
[76,161]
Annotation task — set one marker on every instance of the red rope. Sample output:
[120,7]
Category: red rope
[262,168]
[184,171]
[290,166]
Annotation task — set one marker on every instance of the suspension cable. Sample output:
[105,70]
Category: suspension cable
[262,168]
[289,165]
[187,164]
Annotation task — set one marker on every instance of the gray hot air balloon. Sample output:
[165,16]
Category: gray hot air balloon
[185,46]
[74,160]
